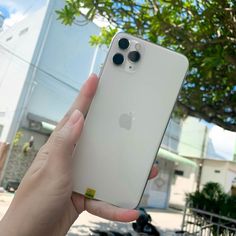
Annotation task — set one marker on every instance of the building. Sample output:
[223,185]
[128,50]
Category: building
[203,140]
[214,170]
[43,65]
[211,148]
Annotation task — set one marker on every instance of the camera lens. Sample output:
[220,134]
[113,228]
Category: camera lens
[118,59]
[123,43]
[134,56]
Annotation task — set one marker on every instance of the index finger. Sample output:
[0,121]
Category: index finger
[83,100]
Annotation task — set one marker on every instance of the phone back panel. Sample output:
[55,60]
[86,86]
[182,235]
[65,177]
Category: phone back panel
[126,122]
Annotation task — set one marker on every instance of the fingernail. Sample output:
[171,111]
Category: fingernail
[93,75]
[74,118]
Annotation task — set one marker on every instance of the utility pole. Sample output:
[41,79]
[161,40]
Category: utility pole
[202,156]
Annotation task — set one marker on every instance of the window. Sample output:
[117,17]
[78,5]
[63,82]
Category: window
[23,31]
[217,171]
[179,172]
[9,38]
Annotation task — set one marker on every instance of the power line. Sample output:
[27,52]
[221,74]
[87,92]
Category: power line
[38,68]
[30,7]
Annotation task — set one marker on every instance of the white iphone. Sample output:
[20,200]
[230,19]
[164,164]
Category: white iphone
[138,87]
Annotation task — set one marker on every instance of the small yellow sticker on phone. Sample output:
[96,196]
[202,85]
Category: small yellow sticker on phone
[90,193]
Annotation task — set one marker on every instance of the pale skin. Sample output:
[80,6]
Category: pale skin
[44,203]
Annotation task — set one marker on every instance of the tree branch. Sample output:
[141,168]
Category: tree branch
[200,115]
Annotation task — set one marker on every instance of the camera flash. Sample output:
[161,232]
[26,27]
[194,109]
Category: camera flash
[137,46]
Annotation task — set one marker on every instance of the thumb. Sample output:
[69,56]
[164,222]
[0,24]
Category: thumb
[63,140]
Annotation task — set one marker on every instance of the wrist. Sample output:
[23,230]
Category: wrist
[12,225]
[7,228]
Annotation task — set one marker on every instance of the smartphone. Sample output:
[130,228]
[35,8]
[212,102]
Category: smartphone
[138,87]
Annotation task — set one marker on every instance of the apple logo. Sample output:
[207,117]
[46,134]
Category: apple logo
[125,120]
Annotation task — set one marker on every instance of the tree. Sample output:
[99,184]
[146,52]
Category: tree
[213,199]
[203,30]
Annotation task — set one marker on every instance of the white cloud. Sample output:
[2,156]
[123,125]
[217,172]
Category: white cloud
[14,18]
[16,5]
[19,9]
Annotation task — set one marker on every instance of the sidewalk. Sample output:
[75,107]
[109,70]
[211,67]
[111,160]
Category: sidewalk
[5,200]
[167,221]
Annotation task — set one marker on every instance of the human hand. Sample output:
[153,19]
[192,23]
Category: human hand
[44,203]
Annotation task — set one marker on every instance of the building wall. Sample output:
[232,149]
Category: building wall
[192,138]
[157,191]
[17,47]
[183,182]
[43,72]
[61,59]
[172,135]
[214,171]
[43,60]
[230,177]
[39,138]
[66,61]
[67,53]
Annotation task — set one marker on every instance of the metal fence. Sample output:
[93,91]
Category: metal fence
[202,223]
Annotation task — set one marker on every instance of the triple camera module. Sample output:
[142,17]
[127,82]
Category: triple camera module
[133,56]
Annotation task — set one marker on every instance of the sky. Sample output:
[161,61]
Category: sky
[223,140]
[15,10]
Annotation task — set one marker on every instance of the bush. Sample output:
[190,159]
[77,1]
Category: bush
[213,199]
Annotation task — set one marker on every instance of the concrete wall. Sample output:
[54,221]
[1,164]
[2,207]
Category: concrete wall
[221,172]
[18,161]
[66,60]
[18,164]
[213,171]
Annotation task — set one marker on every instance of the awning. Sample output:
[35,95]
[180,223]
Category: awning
[176,158]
